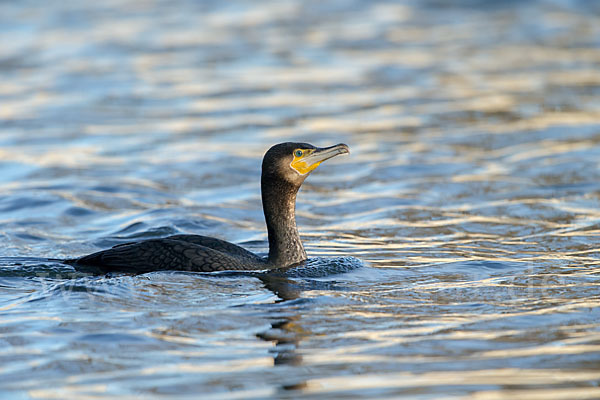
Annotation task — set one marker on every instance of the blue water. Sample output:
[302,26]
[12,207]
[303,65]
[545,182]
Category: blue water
[469,204]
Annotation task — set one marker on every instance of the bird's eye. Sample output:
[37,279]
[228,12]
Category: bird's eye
[298,153]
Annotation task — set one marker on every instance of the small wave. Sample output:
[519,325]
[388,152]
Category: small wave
[319,267]
[30,267]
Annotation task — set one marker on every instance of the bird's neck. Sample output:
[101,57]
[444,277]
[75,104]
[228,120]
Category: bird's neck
[279,206]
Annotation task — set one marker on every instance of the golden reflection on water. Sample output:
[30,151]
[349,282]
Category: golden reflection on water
[506,377]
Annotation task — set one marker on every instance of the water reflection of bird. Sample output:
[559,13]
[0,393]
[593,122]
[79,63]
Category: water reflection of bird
[285,167]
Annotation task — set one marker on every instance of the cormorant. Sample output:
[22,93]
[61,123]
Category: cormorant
[285,166]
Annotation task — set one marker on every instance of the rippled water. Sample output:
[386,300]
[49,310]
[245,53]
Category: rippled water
[472,193]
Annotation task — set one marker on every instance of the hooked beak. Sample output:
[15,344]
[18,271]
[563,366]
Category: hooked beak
[312,160]
[325,153]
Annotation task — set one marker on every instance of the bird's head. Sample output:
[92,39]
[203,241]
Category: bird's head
[293,162]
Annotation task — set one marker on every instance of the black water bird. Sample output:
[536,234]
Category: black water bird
[285,166]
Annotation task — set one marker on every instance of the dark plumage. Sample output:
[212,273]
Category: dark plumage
[284,168]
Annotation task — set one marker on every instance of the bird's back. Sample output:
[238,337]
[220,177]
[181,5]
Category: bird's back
[179,252]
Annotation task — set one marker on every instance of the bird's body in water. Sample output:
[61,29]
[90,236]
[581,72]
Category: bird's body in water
[285,167]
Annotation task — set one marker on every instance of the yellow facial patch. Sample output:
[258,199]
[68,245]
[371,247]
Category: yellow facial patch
[299,162]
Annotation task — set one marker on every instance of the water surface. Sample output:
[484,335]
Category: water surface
[471,194]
